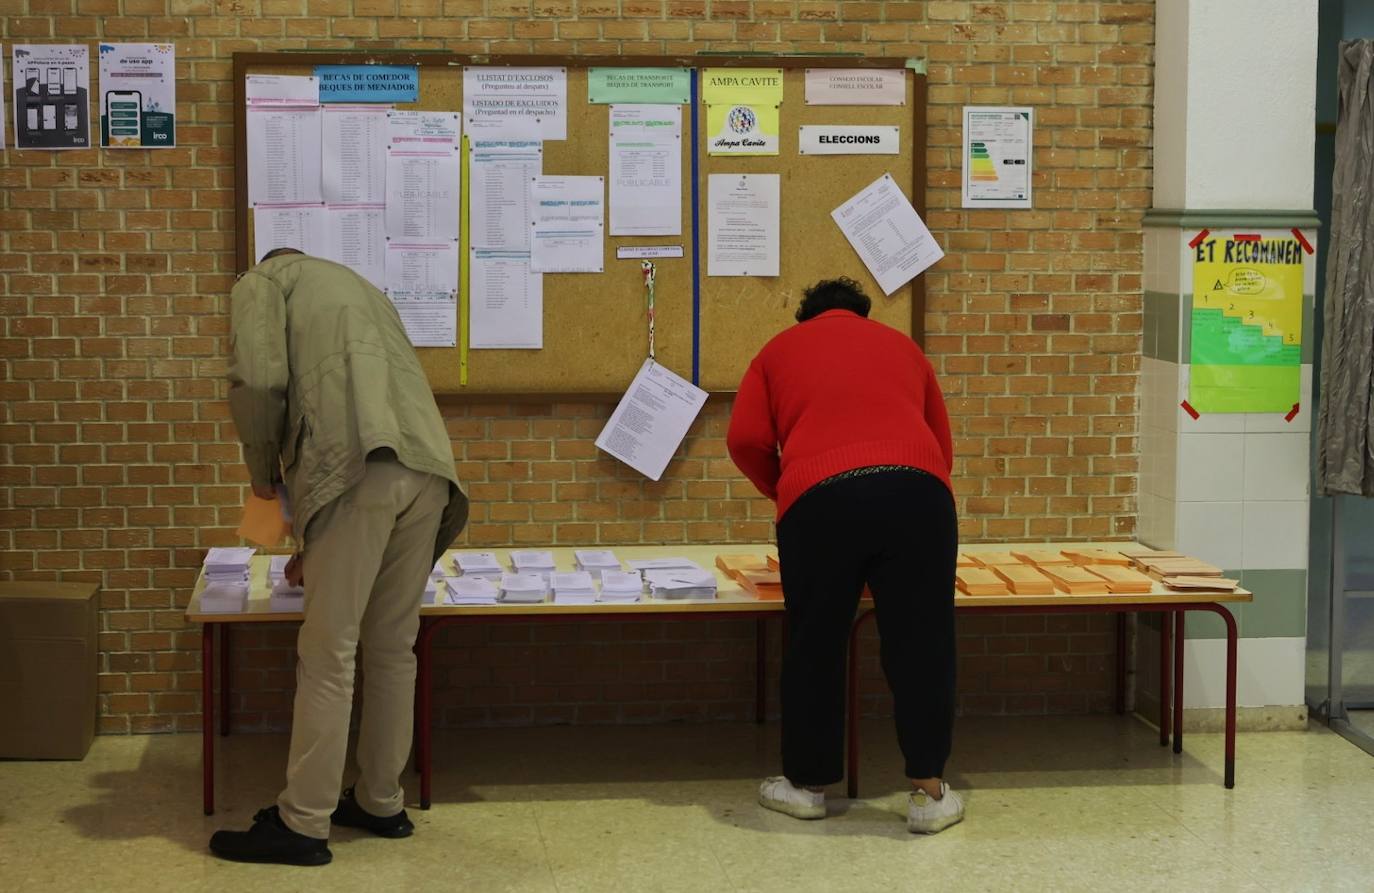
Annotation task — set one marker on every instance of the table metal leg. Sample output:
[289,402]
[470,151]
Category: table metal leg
[1231,645]
[207,712]
[760,670]
[1178,680]
[1164,693]
[1120,664]
[224,689]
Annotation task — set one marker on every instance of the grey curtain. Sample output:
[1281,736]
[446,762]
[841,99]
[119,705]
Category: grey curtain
[1345,440]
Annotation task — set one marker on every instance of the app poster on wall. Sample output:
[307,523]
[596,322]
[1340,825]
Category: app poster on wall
[51,96]
[138,95]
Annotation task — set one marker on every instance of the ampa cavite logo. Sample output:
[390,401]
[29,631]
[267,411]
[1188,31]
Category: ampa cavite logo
[742,119]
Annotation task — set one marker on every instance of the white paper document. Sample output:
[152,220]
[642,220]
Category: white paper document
[424,169]
[651,419]
[422,282]
[501,171]
[496,96]
[891,238]
[506,304]
[357,239]
[568,217]
[303,227]
[354,145]
[409,131]
[282,89]
[423,196]
[284,156]
[743,224]
[997,157]
[646,170]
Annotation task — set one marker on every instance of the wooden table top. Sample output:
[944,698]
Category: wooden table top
[730,597]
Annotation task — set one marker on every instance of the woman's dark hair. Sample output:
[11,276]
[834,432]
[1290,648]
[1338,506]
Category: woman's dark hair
[833,294]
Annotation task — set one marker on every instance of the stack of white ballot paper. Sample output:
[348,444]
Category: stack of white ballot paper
[620,586]
[682,583]
[431,592]
[483,565]
[285,597]
[575,588]
[226,580]
[471,591]
[530,562]
[595,561]
[663,564]
[524,589]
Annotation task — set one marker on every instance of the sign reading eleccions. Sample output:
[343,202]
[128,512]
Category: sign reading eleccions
[368,83]
[845,139]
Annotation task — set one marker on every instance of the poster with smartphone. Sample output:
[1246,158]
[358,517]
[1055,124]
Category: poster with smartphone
[51,96]
[138,95]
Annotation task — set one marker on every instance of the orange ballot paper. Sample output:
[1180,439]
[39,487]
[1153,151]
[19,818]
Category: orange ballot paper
[263,522]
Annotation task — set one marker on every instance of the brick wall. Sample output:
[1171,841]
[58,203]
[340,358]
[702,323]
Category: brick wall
[119,464]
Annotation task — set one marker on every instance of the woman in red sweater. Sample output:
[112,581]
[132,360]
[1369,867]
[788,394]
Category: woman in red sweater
[841,422]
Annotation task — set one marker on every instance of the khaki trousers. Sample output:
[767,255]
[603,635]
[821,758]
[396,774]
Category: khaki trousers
[368,555]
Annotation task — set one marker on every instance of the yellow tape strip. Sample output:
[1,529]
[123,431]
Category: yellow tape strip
[464,265]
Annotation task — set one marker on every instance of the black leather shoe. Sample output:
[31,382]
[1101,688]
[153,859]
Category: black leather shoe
[269,840]
[350,815]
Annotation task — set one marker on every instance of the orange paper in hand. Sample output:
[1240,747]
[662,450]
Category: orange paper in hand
[263,522]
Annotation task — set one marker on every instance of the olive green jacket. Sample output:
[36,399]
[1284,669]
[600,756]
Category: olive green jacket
[322,374]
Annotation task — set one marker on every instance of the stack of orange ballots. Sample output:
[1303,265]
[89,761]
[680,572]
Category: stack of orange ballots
[1024,579]
[993,559]
[1096,556]
[1040,557]
[753,574]
[1074,580]
[979,581]
[1121,579]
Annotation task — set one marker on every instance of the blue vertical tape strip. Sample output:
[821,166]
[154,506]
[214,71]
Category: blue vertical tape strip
[696,238]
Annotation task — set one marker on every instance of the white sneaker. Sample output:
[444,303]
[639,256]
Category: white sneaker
[780,795]
[926,815]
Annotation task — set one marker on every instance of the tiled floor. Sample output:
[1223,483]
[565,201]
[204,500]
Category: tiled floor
[1089,803]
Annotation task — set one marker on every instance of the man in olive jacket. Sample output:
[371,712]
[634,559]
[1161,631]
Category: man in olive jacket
[329,399]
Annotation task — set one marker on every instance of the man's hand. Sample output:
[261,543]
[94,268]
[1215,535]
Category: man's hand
[264,491]
[295,570]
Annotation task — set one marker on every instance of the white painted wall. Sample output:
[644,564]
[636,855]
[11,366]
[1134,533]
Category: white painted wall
[1171,103]
[1235,87]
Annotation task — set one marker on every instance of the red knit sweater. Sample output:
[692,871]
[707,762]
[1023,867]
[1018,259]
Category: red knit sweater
[833,393]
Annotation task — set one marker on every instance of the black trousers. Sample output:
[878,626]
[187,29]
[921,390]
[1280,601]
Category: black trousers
[897,532]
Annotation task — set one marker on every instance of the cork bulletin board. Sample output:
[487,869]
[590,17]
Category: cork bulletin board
[707,328]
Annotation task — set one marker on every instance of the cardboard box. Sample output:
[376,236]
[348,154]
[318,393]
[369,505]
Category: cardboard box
[48,664]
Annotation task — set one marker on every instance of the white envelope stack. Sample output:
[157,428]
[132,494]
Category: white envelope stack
[532,562]
[595,561]
[576,588]
[620,587]
[681,583]
[226,580]
[524,589]
[478,564]
[471,591]
[285,597]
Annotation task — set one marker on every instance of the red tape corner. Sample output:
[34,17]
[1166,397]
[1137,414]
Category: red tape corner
[1302,240]
[1292,413]
[1188,408]
[1197,240]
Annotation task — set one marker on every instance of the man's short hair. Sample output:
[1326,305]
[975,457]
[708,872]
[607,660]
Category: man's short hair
[278,252]
[833,294]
